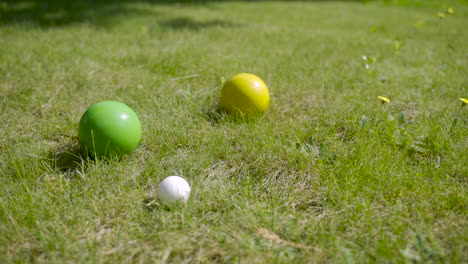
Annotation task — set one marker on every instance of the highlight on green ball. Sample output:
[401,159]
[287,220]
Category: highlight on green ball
[109,129]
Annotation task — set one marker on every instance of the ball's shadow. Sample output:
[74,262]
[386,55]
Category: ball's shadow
[69,159]
[152,203]
[217,116]
[214,115]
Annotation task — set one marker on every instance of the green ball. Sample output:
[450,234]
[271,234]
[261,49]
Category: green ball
[109,129]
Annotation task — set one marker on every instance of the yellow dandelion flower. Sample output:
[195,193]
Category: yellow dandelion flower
[384,99]
[441,15]
[464,100]
[419,24]
[450,10]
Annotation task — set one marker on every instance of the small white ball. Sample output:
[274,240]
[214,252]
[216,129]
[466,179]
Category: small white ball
[172,189]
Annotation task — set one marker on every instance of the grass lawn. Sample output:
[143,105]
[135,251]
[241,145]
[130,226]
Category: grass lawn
[328,175]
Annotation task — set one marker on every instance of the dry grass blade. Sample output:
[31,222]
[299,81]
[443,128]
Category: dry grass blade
[186,77]
[266,234]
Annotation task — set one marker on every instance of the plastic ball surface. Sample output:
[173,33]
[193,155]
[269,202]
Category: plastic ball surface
[108,129]
[245,94]
[173,189]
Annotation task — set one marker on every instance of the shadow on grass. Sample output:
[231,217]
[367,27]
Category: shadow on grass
[186,23]
[69,160]
[152,203]
[55,13]
[217,116]
[214,115]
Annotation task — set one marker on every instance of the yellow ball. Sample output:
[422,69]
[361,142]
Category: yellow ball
[245,94]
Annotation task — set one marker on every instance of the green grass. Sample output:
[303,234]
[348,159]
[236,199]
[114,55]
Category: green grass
[328,166]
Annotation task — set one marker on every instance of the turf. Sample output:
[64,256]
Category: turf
[328,175]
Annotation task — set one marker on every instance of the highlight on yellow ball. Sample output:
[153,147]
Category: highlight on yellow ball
[245,94]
